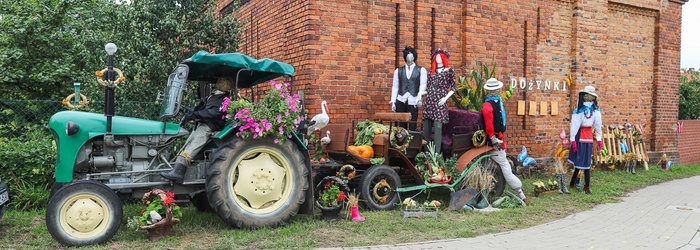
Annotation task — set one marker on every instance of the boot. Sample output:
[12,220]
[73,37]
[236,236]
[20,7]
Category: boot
[562,177]
[356,215]
[587,190]
[177,174]
[627,166]
[573,182]
[634,167]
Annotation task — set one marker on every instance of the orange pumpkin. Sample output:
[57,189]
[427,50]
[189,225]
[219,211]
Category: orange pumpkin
[364,151]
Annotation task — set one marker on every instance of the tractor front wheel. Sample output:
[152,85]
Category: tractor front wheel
[254,184]
[378,187]
[83,213]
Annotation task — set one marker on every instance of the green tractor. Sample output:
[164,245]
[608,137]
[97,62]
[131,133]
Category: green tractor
[102,157]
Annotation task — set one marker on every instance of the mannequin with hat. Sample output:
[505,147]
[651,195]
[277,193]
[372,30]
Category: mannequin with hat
[494,127]
[207,117]
[585,117]
[408,87]
[441,85]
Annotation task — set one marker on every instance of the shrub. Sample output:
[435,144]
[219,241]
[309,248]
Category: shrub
[27,164]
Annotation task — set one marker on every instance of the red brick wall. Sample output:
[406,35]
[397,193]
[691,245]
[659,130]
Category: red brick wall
[688,145]
[345,52]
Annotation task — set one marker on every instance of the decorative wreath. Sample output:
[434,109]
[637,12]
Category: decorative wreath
[400,138]
[479,139]
[638,137]
[101,73]
[83,101]
[379,185]
[346,173]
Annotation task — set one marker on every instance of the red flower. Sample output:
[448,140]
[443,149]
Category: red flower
[168,200]
[143,211]
[169,194]
[342,196]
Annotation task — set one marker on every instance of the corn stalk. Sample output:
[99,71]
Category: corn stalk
[470,94]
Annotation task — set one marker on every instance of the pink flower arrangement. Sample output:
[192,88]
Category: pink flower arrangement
[276,116]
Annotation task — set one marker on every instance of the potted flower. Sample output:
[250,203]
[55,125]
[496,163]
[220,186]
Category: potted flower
[276,116]
[331,196]
[160,215]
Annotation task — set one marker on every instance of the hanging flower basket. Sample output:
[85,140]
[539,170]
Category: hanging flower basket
[162,227]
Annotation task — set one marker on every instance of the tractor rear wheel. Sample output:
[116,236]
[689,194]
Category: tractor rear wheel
[498,183]
[378,187]
[83,213]
[254,184]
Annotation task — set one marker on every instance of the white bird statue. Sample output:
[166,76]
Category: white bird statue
[319,121]
[326,139]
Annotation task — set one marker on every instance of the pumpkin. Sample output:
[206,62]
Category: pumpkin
[364,151]
[378,131]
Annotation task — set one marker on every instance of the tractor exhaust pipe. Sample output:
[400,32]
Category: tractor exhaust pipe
[109,96]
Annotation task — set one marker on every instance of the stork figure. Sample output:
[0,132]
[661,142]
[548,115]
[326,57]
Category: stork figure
[326,139]
[319,121]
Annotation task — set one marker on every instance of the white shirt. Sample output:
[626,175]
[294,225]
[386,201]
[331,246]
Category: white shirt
[579,120]
[407,97]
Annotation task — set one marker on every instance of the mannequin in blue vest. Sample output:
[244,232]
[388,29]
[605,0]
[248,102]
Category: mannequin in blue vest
[408,87]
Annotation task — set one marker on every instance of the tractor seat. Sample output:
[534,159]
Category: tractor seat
[392,116]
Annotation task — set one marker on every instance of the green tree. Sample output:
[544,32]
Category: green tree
[689,103]
[46,45]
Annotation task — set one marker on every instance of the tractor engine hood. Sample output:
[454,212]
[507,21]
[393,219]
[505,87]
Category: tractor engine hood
[90,125]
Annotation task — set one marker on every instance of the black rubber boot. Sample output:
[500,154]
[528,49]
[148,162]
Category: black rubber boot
[177,174]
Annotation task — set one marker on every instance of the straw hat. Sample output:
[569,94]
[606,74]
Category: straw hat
[493,84]
[589,90]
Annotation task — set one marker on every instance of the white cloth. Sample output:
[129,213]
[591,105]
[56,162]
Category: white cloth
[579,120]
[499,156]
[407,97]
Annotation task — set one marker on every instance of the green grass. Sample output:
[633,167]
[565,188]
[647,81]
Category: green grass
[19,229]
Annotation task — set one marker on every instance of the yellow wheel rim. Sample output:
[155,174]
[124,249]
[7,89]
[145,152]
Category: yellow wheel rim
[85,216]
[261,180]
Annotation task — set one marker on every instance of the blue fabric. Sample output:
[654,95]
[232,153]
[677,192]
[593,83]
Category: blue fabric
[500,102]
[582,157]
[585,109]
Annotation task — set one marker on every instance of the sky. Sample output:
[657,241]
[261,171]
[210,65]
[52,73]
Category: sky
[690,35]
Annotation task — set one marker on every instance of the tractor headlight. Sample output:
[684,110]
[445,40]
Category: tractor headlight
[72,128]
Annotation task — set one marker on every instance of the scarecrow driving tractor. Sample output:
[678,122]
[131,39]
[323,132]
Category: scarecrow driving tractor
[248,183]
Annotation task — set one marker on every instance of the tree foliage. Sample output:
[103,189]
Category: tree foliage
[46,45]
[689,103]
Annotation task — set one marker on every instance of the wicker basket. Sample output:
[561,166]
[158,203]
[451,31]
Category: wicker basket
[419,212]
[162,228]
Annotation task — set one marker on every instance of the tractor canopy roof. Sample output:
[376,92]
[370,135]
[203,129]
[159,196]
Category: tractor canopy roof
[207,67]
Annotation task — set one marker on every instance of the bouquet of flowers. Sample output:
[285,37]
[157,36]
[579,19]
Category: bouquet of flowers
[276,116]
[331,196]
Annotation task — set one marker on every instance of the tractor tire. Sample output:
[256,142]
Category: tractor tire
[498,185]
[378,187]
[1,212]
[201,202]
[255,184]
[83,213]
[513,164]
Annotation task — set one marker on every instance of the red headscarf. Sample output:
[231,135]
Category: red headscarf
[445,62]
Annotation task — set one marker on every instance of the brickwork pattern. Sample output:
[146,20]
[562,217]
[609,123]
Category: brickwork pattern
[688,145]
[345,52]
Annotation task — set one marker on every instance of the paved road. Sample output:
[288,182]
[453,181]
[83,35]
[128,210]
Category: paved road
[663,216]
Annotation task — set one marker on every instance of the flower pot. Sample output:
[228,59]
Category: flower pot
[161,228]
[330,213]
